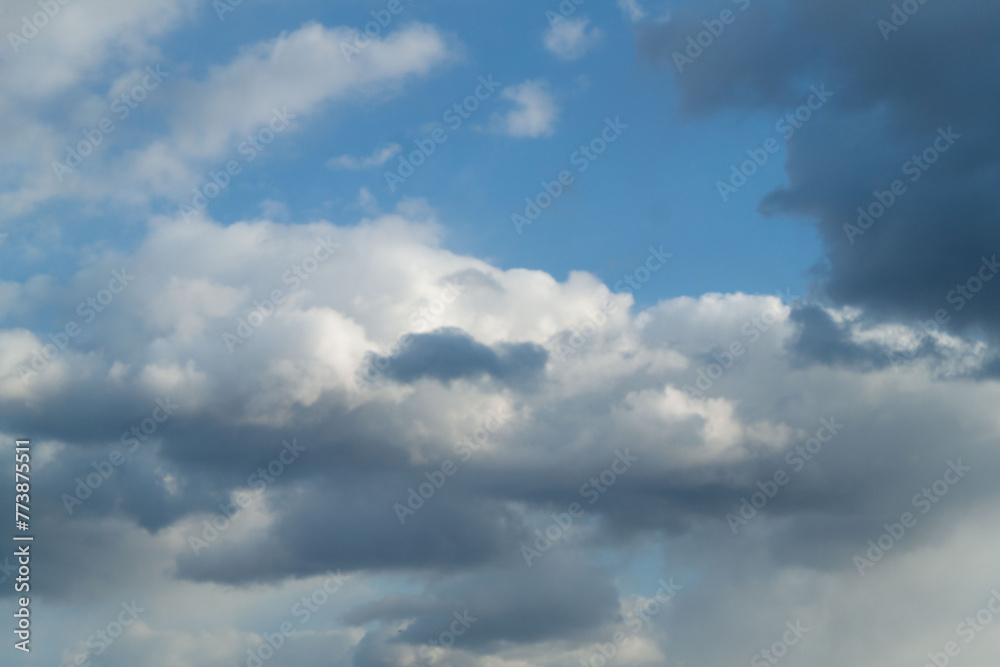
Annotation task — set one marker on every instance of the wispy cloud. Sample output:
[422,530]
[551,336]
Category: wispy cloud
[633,10]
[376,159]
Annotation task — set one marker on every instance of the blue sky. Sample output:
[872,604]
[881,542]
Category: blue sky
[657,185]
[616,376]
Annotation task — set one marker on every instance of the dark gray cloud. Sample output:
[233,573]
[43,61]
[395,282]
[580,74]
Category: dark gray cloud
[892,96]
[452,354]
[819,338]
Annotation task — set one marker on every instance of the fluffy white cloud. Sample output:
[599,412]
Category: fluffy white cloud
[571,38]
[78,39]
[258,331]
[534,113]
[51,66]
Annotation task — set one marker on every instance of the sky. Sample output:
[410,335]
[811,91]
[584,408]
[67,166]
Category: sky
[413,332]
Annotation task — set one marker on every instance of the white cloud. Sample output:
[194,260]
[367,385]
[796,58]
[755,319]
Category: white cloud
[622,387]
[376,159]
[51,72]
[534,113]
[300,70]
[570,39]
[79,38]
[297,72]
[632,9]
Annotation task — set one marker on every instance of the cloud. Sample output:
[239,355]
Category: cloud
[376,159]
[534,113]
[257,332]
[285,72]
[274,83]
[894,99]
[633,10]
[79,40]
[46,82]
[450,354]
[570,39]
[704,422]
[280,78]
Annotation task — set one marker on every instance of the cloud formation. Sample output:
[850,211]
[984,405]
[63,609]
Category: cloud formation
[534,113]
[570,39]
[664,384]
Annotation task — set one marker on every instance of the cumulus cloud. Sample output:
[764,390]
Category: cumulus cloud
[705,421]
[571,38]
[49,55]
[525,458]
[534,113]
[50,64]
